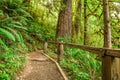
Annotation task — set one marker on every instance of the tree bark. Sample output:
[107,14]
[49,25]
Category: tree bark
[110,65]
[85,24]
[78,18]
[107,27]
[64,24]
[106,60]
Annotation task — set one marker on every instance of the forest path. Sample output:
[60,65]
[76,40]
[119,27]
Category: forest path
[39,66]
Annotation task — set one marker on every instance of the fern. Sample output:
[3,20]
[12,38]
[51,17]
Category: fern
[17,36]
[25,14]
[17,23]
[22,41]
[7,34]
[20,27]
[3,44]
[11,23]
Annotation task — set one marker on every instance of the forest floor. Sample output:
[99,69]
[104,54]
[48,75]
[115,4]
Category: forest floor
[40,67]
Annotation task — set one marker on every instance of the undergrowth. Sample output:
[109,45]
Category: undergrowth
[79,64]
[10,63]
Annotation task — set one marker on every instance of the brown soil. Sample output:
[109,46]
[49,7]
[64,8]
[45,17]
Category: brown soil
[39,67]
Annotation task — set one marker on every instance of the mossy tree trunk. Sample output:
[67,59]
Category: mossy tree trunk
[64,24]
[86,37]
[77,22]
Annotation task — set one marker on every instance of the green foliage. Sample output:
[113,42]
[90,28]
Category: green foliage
[10,63]
[15,33]
[114,10]
[13,24]
[45,19]
[41,32]
[81,65]
[66,40]
[7,34]
[4,46]
[13,21]
[27,22]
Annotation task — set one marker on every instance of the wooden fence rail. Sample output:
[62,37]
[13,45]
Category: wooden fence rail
[105,52]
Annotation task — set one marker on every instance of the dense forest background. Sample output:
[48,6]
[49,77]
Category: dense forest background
[25,24]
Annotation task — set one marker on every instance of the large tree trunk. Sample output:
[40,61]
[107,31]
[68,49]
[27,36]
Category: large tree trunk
[110,65]
[64,24]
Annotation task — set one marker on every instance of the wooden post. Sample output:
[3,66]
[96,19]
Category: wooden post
[106,67]
[60,52]
[110,68]
[45,46]
[116,69]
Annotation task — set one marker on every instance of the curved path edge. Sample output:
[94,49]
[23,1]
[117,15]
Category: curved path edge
[59,68]
[40,66]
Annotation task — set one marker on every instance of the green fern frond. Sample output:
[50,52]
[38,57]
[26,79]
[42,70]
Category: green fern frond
[26,14]
[11,23]
[7,34]
[3,44]
[20,27]
[17,36]
[1,12]
[16,24]
[22,40]
[23,18]
[7,19]
[21,37]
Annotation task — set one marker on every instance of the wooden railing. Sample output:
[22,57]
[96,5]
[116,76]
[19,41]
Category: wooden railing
[108,73]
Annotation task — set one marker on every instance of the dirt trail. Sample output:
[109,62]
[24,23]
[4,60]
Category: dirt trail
[40,67]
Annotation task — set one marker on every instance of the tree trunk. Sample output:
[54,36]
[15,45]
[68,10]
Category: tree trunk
[110,65]
[64,23]
[78,17]
[77,22]
[107,27]
[85,24]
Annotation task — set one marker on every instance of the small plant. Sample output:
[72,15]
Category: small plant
[10,64]
[81,65]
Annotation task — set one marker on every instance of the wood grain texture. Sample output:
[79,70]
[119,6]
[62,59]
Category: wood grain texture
[95,50]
